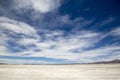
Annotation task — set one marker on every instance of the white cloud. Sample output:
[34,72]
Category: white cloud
[62,47]
[75,46]
[112,52]
[27,41]
[57,21]
[17,27]
[12,28]
[3,39]
[3,49]
[107,21]
[54,33]
[42,6]
[100,51]
[116,32]
[96,55]
[54,44]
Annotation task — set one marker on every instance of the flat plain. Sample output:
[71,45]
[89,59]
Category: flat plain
[60,72]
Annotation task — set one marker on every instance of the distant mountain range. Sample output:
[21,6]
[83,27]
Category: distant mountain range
[102,62]
[107,62]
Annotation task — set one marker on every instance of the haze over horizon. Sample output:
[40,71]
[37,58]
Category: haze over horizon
[59,31]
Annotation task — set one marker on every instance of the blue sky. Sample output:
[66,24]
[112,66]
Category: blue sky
[59,31]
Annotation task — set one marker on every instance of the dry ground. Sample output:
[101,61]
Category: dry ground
[60,72]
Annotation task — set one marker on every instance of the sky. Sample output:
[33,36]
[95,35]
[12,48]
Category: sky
[59,31]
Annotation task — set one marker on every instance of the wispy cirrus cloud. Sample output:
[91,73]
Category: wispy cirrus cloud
[106,21]
[41,14]
[8,25]
[54,44]
[3,49]
[11,31]
[42,6]
[116,31]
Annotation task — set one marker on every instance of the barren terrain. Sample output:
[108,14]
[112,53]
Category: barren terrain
[60,72]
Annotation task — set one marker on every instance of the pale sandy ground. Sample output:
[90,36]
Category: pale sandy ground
[60,72]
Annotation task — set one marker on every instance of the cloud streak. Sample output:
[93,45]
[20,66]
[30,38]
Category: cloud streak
[16,27]
[73,47]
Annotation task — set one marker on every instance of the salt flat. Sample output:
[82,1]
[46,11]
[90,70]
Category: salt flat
[60,72]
